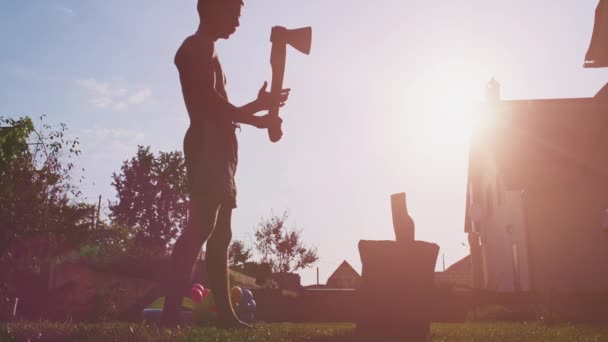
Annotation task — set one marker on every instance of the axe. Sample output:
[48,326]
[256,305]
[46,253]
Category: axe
[280,37]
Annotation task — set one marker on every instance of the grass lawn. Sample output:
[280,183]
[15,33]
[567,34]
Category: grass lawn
[105,332]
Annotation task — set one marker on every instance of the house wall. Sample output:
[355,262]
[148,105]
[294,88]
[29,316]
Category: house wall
[344,282]
[568,245]
[556,150]
[499,223]
[500,232]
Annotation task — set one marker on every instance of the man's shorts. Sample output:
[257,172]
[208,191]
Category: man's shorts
[211,158]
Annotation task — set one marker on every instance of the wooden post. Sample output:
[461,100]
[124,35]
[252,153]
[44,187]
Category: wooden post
[98,210]
[93,219]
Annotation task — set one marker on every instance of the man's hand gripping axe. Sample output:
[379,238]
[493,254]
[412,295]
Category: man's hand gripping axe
[280,37]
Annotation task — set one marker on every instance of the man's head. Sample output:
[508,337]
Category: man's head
[220,17]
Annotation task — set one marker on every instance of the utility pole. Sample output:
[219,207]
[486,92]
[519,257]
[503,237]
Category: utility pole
[93,218]
[98,210]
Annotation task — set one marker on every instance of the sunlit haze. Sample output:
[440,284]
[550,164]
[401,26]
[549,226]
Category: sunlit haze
[383,104]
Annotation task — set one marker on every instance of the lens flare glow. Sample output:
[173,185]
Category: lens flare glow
[441,106]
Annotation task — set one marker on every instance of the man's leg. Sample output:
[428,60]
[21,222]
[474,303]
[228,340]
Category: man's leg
[217,269]
[201,222]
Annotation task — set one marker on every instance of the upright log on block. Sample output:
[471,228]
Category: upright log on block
[402,221]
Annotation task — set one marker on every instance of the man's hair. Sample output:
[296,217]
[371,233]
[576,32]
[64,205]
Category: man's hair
[203,6]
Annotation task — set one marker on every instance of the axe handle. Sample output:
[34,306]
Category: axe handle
[277,61]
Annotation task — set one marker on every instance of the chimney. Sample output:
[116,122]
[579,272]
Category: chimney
[492,91]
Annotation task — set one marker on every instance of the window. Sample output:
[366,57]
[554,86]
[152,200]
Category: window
[516,276]
[471,192]
[499,191]
[474,226]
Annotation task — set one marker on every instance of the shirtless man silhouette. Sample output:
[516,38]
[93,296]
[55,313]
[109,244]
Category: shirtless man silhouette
[210,149]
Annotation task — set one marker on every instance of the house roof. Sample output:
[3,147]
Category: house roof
[551,140]
[462,266]
[542,143]
[345,269]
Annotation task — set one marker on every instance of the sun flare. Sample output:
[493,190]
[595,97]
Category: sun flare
[441,108]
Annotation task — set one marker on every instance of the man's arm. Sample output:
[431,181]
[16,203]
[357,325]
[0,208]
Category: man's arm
[245,114]
[266,101]
[194,61]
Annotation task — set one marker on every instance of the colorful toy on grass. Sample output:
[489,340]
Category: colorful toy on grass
[196,295]
[205,311]
[201,308]
[236,294]
[198,286]
[247,306]
[247,296]
[154,311]
[159,303]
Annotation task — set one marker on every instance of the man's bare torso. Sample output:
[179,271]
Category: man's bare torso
[210,145]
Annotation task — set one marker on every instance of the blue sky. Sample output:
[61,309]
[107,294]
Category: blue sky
[382,105]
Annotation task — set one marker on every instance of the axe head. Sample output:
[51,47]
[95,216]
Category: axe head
[300,38]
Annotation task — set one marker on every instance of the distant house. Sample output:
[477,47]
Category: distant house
[537,195]
[344,277]
[457,276]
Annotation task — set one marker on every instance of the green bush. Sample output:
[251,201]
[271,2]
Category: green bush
[6,336]
[493,313]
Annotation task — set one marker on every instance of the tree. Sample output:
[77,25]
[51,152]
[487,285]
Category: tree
[40,212]
[152,198]
[282,248]
[13,141]
[238,253]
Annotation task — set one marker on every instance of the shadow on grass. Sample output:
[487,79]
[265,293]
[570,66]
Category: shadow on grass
[351,338]
[357,337]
